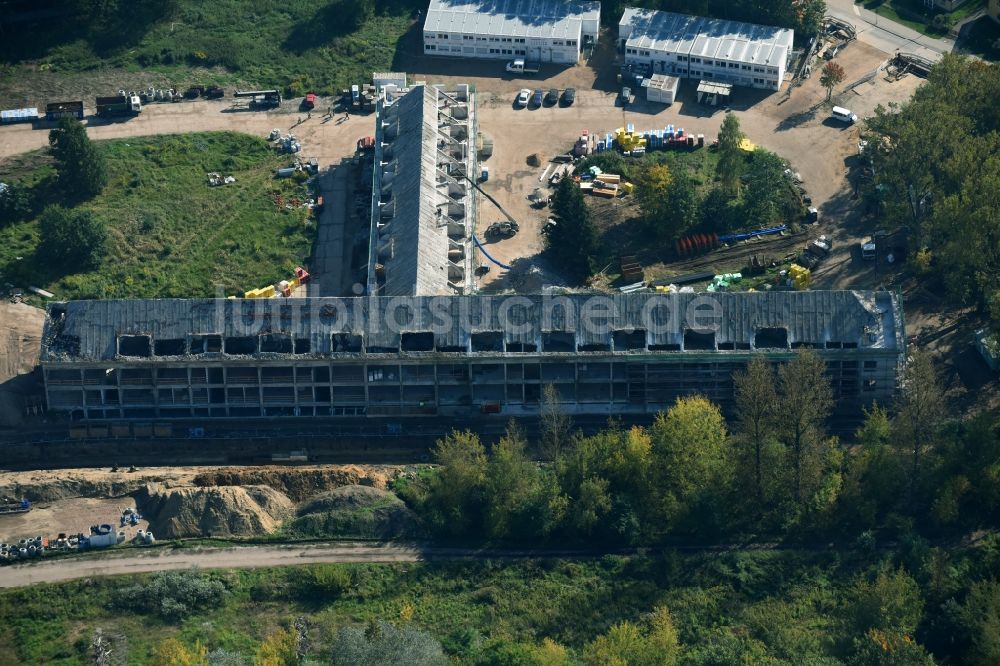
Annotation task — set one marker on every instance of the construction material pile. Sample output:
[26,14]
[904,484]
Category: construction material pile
[356,511]
[213,511]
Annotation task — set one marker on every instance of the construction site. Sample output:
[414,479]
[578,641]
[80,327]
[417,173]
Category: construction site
[437,207]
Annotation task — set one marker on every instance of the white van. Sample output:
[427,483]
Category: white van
[844,115]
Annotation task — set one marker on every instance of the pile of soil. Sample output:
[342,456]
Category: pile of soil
[190,511]
[298,483]
[356,511]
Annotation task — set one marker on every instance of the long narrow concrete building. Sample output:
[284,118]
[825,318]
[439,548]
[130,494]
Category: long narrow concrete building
[539,30]
[743,54]
[451,355]
[423,205]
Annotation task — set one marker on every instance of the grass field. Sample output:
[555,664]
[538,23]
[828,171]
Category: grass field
[294,44]
[171,235]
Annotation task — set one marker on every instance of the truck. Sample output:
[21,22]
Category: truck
[57,110]
[521,66]
[261,99]
[119,105]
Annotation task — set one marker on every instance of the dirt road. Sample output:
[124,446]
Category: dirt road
[20,338]
[326,139]
[244,557]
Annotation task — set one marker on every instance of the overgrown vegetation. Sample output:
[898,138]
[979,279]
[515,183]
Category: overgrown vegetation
[944,192]
[780,608]
[167,232]
[678,193]
[296,45]
[687,476]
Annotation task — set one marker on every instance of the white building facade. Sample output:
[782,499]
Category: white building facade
[743,54]
[536,30]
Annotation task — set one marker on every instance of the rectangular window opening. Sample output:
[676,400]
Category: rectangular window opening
[133,345]
[558,341]
[522,347]
[699,341]
[241,345]
[422,341]
[346,343]
[303,345]
[629,340]
[670,347]
[771,338]
[276,343]
[487,341]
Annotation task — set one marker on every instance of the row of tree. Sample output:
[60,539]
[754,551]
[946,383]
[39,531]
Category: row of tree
[688,476]
[71,239]
[936,161]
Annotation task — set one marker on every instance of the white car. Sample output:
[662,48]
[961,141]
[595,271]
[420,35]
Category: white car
[523,97]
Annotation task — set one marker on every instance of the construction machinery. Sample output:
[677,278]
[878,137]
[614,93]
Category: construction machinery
[119,105]
[502,229]
[284,289]
[261,99]
[8,505]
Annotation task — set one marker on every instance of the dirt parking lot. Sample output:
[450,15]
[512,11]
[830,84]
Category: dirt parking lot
[796,126]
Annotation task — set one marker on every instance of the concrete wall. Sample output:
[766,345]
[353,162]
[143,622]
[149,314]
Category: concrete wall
[434,384]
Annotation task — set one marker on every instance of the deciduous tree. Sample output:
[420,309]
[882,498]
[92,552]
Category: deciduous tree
[756,402]
[72,240]
[805,400]
[556,423]
[920,415]
[832,76]
[457,491]
[731,160]
[81,168]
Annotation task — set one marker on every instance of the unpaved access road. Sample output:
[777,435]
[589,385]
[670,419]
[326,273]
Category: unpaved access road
[328,139]
[240,557]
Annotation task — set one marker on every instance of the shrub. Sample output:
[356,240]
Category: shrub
[172,595]
[72,239]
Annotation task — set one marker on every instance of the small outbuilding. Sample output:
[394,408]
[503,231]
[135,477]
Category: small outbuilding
[714,93]
[661,88]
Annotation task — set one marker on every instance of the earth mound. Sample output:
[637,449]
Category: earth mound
[358,511]
[297,483]
[190,511]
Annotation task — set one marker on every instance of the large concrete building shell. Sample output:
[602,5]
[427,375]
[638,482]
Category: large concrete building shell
[451,356]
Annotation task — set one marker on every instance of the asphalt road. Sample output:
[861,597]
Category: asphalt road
[887,35]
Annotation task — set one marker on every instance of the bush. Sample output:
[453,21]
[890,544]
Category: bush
[172,595]
[72,239]
[15,204]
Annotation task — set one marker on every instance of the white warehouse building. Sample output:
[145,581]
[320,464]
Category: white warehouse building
[742,54]
[536,30]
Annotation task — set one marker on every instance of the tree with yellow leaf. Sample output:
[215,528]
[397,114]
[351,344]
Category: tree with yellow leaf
[171,652]
[278,649]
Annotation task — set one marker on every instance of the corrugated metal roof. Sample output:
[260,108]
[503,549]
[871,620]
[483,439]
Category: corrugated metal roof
[89,330]
[511,18]
[413,246]
[747,43]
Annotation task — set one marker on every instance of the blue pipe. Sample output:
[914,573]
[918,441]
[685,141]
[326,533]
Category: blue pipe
[760,232]
[487,255]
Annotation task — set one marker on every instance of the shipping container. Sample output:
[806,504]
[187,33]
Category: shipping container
[26,115]
[57,110]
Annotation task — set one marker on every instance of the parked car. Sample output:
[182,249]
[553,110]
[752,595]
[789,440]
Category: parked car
[568,96]
[523,97]
[551,97]
[536,99]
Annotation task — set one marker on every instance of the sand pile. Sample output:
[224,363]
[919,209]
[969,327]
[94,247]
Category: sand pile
[190,511]
[301,483]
